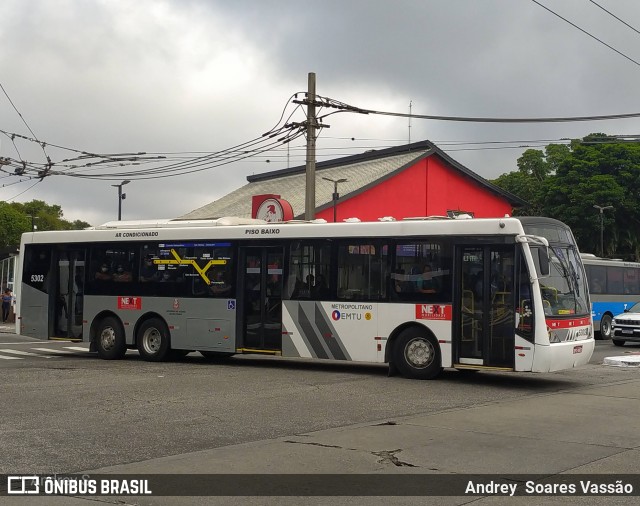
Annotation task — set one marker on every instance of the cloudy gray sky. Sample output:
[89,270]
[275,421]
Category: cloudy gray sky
[163,76]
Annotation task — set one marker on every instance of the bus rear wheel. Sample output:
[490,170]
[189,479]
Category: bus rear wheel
[153,340]
[110,340]
[417,355]
[605,327]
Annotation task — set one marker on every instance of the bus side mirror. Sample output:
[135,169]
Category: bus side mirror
[543,258]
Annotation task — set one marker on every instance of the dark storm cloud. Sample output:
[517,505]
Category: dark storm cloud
[196,75]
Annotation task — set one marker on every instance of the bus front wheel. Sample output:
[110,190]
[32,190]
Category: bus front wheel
[110,341]
[417,355]
[605,327]
[153,340]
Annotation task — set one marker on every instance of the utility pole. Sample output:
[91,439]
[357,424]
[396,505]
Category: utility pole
[410,104]
[310,195]
[602,209]
[121,196]
[335,195]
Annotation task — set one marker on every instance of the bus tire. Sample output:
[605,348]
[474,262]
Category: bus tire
[417,355]
[153,340]
[605,327]
[215,355]
[110,340]
[618,342]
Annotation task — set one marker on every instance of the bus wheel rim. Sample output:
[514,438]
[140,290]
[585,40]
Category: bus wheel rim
[152,341]
[108,338]
[419,353]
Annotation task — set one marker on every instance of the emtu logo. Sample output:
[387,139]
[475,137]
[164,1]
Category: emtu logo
[335,315]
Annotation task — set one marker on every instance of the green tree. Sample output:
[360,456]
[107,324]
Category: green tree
[17,218]
[566,182]
[12,224]
[535,168]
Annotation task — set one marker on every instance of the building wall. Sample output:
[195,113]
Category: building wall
[448,189]
[428,188]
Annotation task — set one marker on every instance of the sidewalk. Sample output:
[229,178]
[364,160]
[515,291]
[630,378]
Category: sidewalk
[588,431]
[7,328]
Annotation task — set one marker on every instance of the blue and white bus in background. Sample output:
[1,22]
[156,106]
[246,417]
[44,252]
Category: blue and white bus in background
[614,286]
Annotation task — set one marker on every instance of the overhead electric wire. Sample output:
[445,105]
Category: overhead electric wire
[258,145]
[613,15]
[179,166]
[586,32]
[144,165]
[42,144]
[238,152]
[342,107]
[160,172]
[25,191]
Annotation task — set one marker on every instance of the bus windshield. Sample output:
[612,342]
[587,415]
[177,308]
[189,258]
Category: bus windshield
[564,290]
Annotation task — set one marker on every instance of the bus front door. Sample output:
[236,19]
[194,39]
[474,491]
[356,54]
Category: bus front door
[261,303]
[484,326]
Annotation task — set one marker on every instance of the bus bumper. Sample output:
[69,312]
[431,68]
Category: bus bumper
[566,355]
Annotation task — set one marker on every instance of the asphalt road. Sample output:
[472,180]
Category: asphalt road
[74,412]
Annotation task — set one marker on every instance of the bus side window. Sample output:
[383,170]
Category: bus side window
[39,260]
[309,271]
[597,277]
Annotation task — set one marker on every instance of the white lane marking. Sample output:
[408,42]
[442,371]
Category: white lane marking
[10,358]
[31,343]
[23,353]
[77,348]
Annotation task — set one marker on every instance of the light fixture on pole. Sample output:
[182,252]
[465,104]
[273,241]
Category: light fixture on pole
[33,222]
[121,196]
[336,196]
[602,208]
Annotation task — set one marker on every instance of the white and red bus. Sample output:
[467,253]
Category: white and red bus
[506,294]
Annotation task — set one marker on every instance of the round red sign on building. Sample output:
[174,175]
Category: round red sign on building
[274,210]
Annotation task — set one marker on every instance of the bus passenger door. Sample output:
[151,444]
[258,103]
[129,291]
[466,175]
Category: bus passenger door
[261,302]
[66,299]
[485,306]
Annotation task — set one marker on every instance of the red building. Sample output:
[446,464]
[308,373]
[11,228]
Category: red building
[417,179]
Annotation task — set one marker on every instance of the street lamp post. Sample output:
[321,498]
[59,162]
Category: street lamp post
[33,222]
[602,208]
[121,196]
[336,196]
